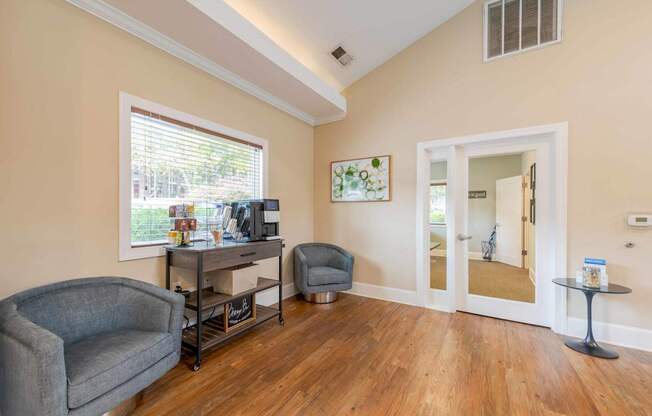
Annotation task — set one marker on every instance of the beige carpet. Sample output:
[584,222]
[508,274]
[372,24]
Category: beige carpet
[493,279]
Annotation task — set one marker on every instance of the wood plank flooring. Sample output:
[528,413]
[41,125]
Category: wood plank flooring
[362,356]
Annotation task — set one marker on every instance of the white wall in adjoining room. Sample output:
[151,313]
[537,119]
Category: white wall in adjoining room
[483,173]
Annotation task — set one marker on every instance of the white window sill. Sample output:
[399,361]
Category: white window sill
[144,252]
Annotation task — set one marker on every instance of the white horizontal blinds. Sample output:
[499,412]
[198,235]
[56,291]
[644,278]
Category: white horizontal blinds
[530,23]
[174,162]
[494,29]
[548,20]
[514,25]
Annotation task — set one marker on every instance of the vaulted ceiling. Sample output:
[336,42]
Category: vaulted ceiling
[371,30]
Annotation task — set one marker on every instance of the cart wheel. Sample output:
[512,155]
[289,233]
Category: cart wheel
[196,367]
[281,321]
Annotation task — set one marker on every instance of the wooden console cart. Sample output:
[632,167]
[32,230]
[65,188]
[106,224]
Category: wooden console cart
[204,257]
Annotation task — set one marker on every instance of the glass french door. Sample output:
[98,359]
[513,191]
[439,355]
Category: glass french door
[492,245]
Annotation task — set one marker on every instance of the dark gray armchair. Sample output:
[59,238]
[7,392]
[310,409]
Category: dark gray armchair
[82,347]
[321,270]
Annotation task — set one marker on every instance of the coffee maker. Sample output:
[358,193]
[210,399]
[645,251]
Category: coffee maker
[257,219]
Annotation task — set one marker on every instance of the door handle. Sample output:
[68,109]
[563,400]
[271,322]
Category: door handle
[463,237]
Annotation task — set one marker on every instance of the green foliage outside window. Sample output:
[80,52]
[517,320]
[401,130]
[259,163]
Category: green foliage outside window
[438,204]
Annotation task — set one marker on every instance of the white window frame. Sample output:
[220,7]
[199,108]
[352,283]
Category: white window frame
[126,251]
[437,224]
[539,45]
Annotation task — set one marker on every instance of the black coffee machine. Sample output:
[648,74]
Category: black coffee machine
[257,219]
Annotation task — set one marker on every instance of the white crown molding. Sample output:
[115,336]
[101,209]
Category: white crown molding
[330,119]
[135,27]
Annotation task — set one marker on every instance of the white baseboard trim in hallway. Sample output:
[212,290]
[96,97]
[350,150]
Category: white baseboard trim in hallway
[624,336]
[270,296]
[408,297]
[473,255]
[621,335]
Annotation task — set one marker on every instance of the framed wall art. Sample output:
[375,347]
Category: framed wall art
[361,180]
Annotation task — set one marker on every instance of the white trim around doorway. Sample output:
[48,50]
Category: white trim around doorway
[556,136]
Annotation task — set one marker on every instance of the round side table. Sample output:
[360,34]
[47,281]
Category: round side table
[588,345]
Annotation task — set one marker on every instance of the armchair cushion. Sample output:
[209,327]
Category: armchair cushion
[324,275]
[102,362]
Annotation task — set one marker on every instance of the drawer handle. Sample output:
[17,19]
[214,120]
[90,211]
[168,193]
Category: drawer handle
[253,253]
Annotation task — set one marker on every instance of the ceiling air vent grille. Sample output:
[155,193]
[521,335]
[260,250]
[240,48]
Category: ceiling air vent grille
[342,56]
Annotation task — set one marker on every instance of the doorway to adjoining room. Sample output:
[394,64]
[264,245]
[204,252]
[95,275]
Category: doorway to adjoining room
[501,222]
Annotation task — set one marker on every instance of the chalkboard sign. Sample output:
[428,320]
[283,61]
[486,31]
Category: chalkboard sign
[238,312]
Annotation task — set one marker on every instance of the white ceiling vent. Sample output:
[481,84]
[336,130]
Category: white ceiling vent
[342,56]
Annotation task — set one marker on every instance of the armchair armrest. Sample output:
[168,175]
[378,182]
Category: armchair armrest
[300,270]
[32,368]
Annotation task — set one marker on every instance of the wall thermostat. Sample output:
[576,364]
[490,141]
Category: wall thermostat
[639,220]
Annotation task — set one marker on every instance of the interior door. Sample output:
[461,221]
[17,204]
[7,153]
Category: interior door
[475,282]
[509,224]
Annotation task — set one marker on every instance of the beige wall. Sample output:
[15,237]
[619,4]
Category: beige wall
[598,79]
[60,73]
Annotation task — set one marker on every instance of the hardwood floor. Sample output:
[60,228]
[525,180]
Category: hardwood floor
[362,356]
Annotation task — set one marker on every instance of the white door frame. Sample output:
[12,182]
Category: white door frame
[556,136]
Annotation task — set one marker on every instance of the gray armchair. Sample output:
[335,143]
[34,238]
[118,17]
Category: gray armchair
[82,347]
[321,270]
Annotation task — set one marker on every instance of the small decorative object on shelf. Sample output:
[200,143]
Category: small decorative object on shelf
[183,224]
[237,313]
[593,269]
[193,221]
[590,277]
[218,235]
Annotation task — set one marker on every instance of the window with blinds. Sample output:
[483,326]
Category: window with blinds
[512,26]
[174,162]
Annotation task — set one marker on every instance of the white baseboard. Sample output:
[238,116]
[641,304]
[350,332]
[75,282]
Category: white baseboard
[625,336]
[270,296]
[408,297]
[473,255]
[438,252]
[621,335]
